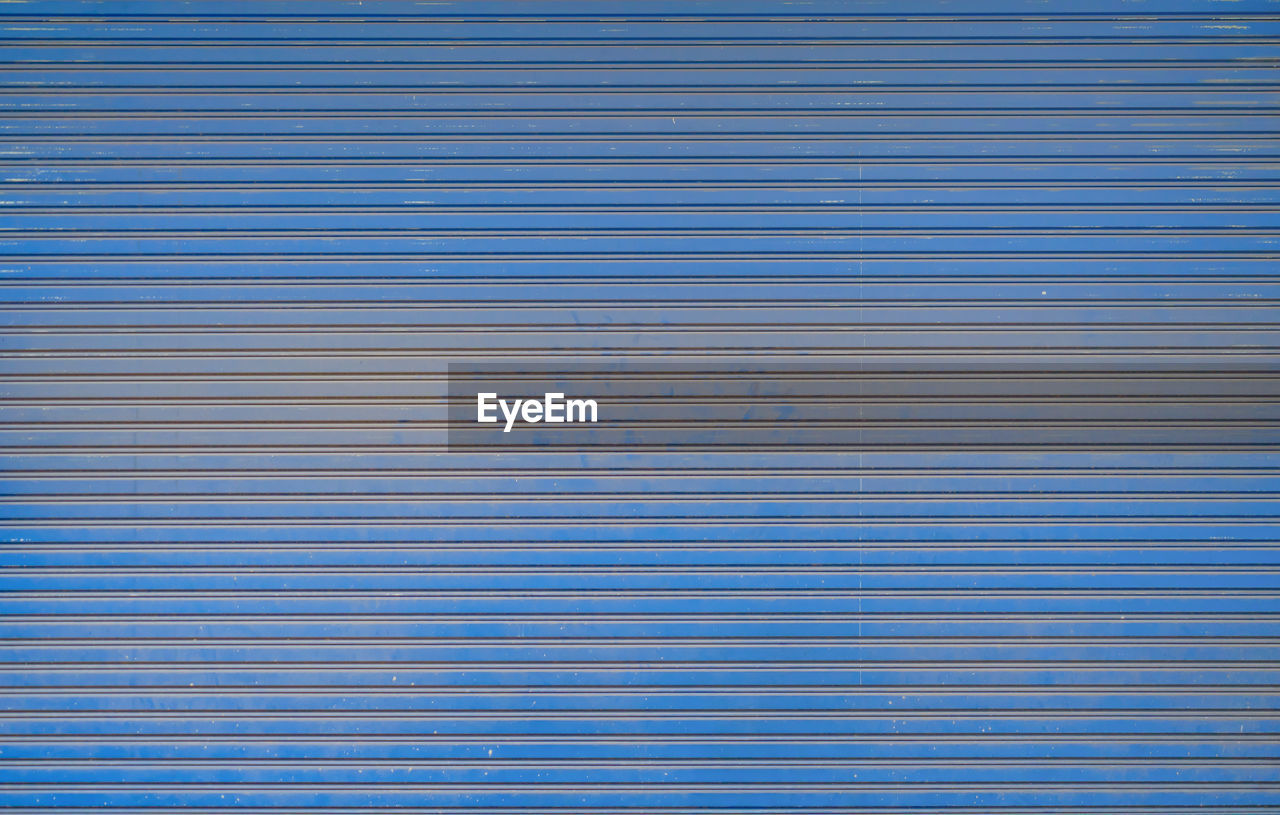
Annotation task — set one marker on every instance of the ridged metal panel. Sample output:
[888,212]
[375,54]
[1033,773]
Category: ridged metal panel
[243,239]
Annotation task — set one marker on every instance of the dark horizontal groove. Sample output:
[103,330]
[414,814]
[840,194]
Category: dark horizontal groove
[726,568]
[606,764]
[610,90]
[1110,594]
[382,65]
[852,231]
[648,738]
[878,89]
[993,64]
[558,521]
[193,449]
[625,42]
[472,17]
[536,304]
[412,186]
[420,377]
[1003,327]
[662,353]
[473,790]
[691,424]
[567,257]
[442,425]
[595,328]
[633,138]
[701,497]
[675,284]
[344,401]
[629,641]
[664,666]
[674,209]
[1190,305]
[357,645]
[697,161]
[659,303]
[99,114]
[613,690]
[791,543]
[518,714]
[607,617]
[288,689]
[296,594]
[284,471]
[798,544]
[575,521]
[571,256]
[507,279]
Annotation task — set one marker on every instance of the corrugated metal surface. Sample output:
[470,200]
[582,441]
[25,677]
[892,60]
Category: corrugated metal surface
[242,239]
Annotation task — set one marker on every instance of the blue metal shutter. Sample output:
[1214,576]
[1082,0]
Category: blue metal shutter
[242,239]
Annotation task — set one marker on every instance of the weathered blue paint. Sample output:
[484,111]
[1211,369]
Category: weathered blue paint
[240,241]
